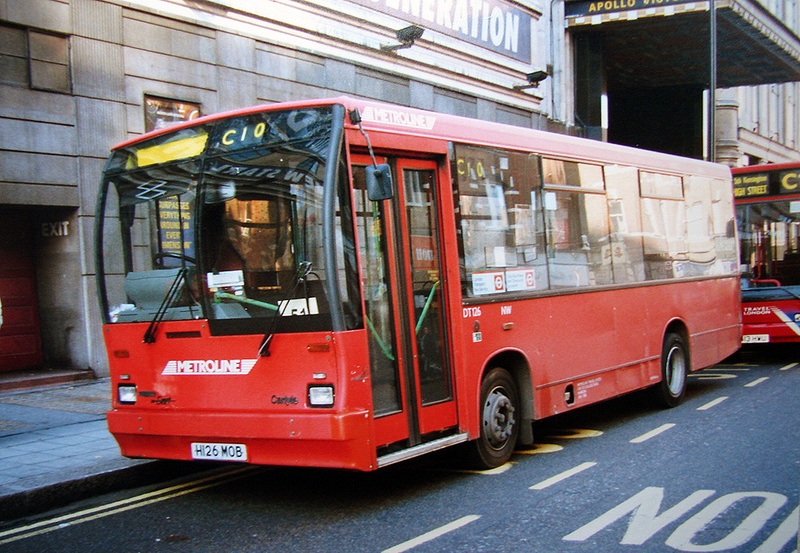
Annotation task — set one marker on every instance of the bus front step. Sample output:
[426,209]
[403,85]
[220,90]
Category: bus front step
[421,449]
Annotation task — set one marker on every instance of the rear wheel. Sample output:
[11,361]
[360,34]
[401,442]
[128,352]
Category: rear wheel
[499,422]
[674,370]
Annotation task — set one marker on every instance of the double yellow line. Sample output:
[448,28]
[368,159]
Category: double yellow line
[101,511]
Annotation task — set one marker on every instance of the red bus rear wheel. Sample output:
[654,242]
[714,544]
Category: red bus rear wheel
[499,420]
[674,371]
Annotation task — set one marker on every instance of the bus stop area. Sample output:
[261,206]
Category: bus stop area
[55,446]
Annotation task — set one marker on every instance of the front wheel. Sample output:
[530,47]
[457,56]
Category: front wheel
[674,370]
[499,420]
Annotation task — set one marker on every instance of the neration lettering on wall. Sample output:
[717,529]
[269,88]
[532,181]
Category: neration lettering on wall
[493,24]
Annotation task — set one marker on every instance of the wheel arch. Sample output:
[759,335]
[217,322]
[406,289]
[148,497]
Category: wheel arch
[678,326]
[518,366]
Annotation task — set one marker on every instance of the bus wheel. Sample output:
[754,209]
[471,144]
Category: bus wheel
[674,370]
[499,423]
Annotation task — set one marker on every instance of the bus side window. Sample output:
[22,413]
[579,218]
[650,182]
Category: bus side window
[576,212]
[664,225]
[627,254]
[500,221]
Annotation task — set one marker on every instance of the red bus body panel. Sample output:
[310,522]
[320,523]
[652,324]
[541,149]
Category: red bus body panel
[620,335]
[269,413]
[187,408]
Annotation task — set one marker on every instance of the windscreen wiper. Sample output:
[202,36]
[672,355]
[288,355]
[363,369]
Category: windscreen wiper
[283,304]
[174,288]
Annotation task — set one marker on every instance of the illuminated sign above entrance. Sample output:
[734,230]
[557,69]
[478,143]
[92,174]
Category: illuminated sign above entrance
[594,7]
[493,24]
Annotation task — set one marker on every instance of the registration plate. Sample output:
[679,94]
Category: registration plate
[219,452]
[755,338]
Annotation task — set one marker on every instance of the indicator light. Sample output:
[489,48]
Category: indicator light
[318,348]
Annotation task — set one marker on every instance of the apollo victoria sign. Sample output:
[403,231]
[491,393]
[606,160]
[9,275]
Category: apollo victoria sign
[594,7]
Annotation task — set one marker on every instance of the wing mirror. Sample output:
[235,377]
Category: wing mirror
[379,182]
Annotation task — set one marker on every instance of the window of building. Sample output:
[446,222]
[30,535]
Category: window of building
[161,112]
[13,56]
[49,62]
[35,59]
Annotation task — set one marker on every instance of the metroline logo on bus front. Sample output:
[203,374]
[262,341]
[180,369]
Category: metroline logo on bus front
[209,366]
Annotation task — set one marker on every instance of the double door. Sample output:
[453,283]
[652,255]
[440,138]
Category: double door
[401,267]
[20,341]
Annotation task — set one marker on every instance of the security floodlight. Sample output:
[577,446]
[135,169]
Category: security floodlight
[410,33]
[533,79]
[406,36]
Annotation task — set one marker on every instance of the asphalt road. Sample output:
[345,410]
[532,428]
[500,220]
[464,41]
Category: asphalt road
[721,472]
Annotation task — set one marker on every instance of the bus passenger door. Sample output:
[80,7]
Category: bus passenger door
[413,392]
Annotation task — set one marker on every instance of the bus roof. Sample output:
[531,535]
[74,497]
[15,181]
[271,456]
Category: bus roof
[412,122]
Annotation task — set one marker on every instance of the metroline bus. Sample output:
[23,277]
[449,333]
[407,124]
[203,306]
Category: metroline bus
[340,283]
[767,199]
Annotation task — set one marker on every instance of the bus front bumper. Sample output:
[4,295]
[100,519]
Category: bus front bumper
[324,439]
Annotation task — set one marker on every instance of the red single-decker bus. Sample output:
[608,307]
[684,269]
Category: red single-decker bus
[343,283]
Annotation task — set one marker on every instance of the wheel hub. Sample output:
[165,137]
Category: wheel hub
[676,370]
[498,419]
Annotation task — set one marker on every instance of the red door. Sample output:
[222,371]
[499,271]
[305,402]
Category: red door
[20,341]
[413,392]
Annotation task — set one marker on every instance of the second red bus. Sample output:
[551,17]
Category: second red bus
[768,214]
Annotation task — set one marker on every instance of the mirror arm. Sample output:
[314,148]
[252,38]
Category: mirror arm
[355,118]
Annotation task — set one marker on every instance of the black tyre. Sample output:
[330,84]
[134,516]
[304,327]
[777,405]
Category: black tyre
[499,420]
[674,371]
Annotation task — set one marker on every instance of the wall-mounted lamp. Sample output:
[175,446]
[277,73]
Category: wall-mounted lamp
[406,36]
[533,80]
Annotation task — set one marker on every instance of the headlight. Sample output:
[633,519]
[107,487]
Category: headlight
[126,393]
[320,396]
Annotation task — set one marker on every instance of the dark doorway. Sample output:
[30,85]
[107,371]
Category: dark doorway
[667,119]
[20,337]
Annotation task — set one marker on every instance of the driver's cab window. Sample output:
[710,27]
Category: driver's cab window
[249,254]
[159,256]
[256,239]
[174,231]
[262,247]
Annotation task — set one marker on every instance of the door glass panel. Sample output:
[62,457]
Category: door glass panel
[371,225]
[419,186]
